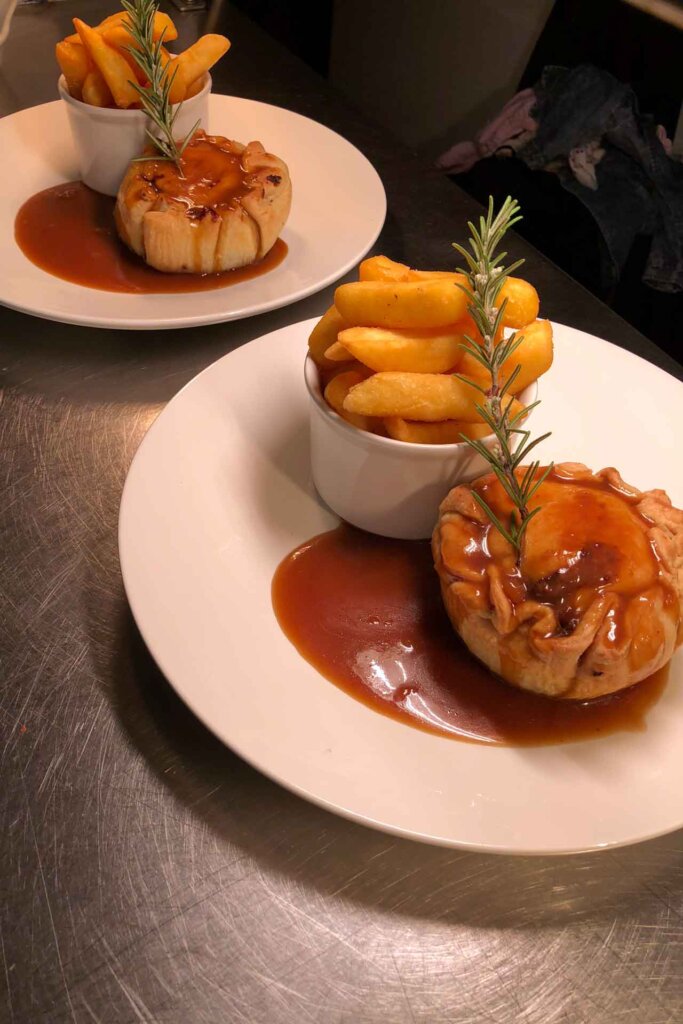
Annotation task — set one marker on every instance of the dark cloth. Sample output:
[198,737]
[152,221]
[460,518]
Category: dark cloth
[639,187]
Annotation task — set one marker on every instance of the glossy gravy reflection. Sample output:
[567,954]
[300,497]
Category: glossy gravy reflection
[366,612]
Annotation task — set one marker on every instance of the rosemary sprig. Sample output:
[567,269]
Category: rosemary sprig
[486,274]
[154,98]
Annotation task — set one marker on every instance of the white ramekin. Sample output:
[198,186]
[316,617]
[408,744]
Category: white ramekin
[107,139]
[380,485]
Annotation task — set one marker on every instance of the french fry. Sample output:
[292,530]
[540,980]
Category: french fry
[74,64]
[522,298]
[130,60]
[437,275]
[112,64]
[407,325]
[96,91]
[113,19]
[336,353]
[337,390]
[178,88]
[400,304]
[415,351]
[444,432]
[381,268]
[323,335]
[467,327]
[196,60]
[138,73]
[522,302]
[325,376]
[414,396]
[118,34]
[193,89]
[534,355]
[429,397]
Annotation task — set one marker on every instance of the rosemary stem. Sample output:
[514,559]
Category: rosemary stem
[486,276]
[155,97]
[493,396]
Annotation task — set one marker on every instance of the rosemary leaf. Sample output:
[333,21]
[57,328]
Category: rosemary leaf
[522,414]
[493,517]
[510,488]
[466,380]
[526,480]
[509,346]
[486,274]
[510,381]
[155,97]
[523,454]
[474,349]
[524,525]
[542,478]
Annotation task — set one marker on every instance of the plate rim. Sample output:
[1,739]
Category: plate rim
[204,320]
[237,747]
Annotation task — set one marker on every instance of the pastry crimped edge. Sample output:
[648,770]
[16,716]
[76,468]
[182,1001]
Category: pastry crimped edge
[159,229]
[580,665]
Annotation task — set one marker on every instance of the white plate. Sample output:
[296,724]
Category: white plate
[219,492]
[337,213]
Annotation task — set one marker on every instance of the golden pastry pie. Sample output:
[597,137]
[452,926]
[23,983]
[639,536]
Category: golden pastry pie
[225,210]
[594,602]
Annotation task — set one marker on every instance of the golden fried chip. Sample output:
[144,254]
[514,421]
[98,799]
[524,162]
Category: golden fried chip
[401,304]
[412,350]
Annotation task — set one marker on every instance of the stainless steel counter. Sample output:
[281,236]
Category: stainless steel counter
[146,873]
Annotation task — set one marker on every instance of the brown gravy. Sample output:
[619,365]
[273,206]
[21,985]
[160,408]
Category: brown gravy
[589,542]
[212,175]
[68,230]
[366,612]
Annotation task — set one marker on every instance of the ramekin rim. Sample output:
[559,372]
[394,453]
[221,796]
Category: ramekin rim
[115,113]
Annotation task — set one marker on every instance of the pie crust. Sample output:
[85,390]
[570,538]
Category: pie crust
[594,604]
[224,211]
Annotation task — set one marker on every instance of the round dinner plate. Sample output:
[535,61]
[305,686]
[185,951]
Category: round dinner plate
[338,210]
[220,491]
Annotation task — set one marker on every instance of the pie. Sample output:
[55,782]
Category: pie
[224,209]
[593,603]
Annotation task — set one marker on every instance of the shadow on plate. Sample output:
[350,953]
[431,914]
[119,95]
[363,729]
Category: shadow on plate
[279,483]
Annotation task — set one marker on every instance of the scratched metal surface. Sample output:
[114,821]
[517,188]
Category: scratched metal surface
[146,873]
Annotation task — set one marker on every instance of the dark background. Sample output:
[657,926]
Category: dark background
[636,48]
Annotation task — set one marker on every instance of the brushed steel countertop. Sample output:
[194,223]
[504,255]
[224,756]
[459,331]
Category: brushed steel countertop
[147,874]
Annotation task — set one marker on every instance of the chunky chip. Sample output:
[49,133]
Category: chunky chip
[409,327]
[401,304]
[101,54]
[432,350]
[534,356]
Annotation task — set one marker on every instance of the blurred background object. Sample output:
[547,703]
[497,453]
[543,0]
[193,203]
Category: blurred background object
[427,70]
[645,53]
[6,11]
[450,72]
[670,11]
[190,5]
